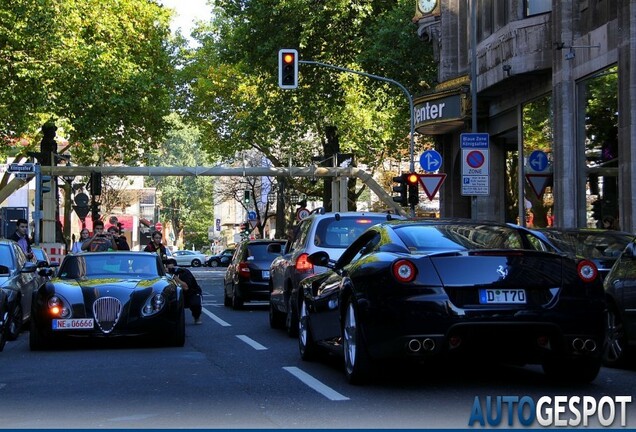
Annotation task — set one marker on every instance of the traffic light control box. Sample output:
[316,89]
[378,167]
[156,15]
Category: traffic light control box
[8,218]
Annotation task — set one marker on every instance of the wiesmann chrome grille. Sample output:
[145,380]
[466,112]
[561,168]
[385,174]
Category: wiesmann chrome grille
[107,311]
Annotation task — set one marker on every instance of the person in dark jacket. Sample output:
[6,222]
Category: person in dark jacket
[157,247]
[119,239]
[191,289]
[21,237]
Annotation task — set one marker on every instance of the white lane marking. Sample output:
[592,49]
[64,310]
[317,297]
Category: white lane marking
[251,342]
[215,318]
[312,382]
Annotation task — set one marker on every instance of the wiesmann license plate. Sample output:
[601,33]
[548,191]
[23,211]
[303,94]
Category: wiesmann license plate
[72,324]
[265,274]
[502,296]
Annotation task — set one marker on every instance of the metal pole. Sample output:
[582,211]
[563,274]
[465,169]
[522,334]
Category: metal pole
[473,62]
[37,214]
[408,96]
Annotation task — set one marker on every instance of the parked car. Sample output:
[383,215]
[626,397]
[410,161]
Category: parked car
[18,279]
[43,262]
[599,245]
[320,231]
[108,295]
[419,290]
[189,258]
[620,292]
[247,276]
[221,260]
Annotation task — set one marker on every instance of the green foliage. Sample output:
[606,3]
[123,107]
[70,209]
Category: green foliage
[103,69]
[233,92]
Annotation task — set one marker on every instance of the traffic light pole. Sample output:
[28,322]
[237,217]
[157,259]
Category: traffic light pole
[37,212]
[406,92]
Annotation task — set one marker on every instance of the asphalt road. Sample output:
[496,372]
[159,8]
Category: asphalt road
[236,372]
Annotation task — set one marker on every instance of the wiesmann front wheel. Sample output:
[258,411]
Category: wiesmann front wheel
[356,359]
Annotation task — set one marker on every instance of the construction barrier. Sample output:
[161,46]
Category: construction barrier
[55,251]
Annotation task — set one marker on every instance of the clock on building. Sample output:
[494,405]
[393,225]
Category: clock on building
[426,6]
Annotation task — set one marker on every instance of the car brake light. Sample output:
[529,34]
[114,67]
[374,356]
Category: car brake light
[302,264]
[243,269]
[404,270]
[587,271]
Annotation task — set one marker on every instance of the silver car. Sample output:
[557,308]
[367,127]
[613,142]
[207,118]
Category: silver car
[189,258]
[329,232]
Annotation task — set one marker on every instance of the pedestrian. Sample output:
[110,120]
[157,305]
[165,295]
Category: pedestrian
[609,223]
[21,237]
[119,239]
[77,246]
[101,241]
[191,289]
[156,246]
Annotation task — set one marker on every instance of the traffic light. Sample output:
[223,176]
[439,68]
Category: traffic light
[45,184]
[412,179]
[244,229]
[288,68]
[401,189]
[95,212]
[96,184]
[246,196]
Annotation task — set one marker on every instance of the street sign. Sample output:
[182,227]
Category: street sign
[81,199]
[538,183]
[538,161]
[431,161]
[26,168]
[431,184]
[81,211]
[302,213]
[475,164]
[158,226]
[251,215]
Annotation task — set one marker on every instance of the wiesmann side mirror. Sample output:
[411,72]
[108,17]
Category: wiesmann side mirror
[630,251]
[320,258]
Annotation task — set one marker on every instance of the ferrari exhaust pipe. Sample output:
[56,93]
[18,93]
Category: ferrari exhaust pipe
[578,344]
[428,344]
[590,345]
[414,345]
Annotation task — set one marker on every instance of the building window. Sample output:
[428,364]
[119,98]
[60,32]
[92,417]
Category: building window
[536,7]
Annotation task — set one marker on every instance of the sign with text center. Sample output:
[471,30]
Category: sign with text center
[475,163]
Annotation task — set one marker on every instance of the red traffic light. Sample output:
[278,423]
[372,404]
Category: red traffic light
[288,68]
[412,178]
[288,58]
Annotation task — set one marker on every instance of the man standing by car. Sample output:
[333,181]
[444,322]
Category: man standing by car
[191,289]
[100,242]
[21,237]
[157,247]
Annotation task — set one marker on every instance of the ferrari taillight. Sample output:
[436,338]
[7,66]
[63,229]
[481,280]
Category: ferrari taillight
[243,269]
[302,264]
[404,270]
[587,271]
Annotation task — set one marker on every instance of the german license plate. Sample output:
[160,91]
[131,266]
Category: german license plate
[73,324]
[502,296]
[265,274]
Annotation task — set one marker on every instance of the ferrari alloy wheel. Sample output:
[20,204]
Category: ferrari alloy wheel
[356,359]
[3,330]
[291,320]
[15,322]
[227,300]
[306,343]
[615,346]
[276,318]
[196,263]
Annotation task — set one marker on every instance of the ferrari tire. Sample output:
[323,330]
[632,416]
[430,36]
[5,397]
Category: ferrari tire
[196,263]
[574,371]
[3,330]
[358,365]
[227,300]
[291,320]
[237,301]
[306,344]
[37,341]
[14,324]
[615,347]
[276,318]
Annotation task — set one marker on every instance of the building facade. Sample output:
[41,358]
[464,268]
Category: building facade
[550,76]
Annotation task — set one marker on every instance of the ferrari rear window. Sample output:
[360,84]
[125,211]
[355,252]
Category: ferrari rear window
[458,237]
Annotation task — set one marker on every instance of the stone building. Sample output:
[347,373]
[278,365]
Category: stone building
[562,55]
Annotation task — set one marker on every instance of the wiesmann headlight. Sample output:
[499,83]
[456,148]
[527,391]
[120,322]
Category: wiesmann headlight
[58,307]
[153,305]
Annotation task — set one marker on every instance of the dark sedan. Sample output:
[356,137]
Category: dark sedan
[221,260]
[429,289]
[18,279]
[602,246]
[247,276]
[108,295]
[620,290]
